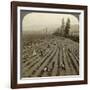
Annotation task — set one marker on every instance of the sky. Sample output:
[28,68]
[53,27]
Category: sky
[38,22]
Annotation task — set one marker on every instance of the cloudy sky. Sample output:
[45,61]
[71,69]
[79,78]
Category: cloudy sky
[38,22]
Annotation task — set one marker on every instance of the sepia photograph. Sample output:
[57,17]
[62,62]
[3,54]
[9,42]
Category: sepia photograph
[49,44]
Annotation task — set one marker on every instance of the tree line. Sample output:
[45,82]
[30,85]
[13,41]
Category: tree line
[64,30]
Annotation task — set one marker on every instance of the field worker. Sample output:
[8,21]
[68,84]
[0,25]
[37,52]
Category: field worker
[41,52]
[45,69]
[34,53]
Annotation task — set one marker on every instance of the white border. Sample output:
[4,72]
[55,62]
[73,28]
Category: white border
[55,78]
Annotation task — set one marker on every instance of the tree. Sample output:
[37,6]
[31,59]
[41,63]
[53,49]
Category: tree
[62,26]
[67,28]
